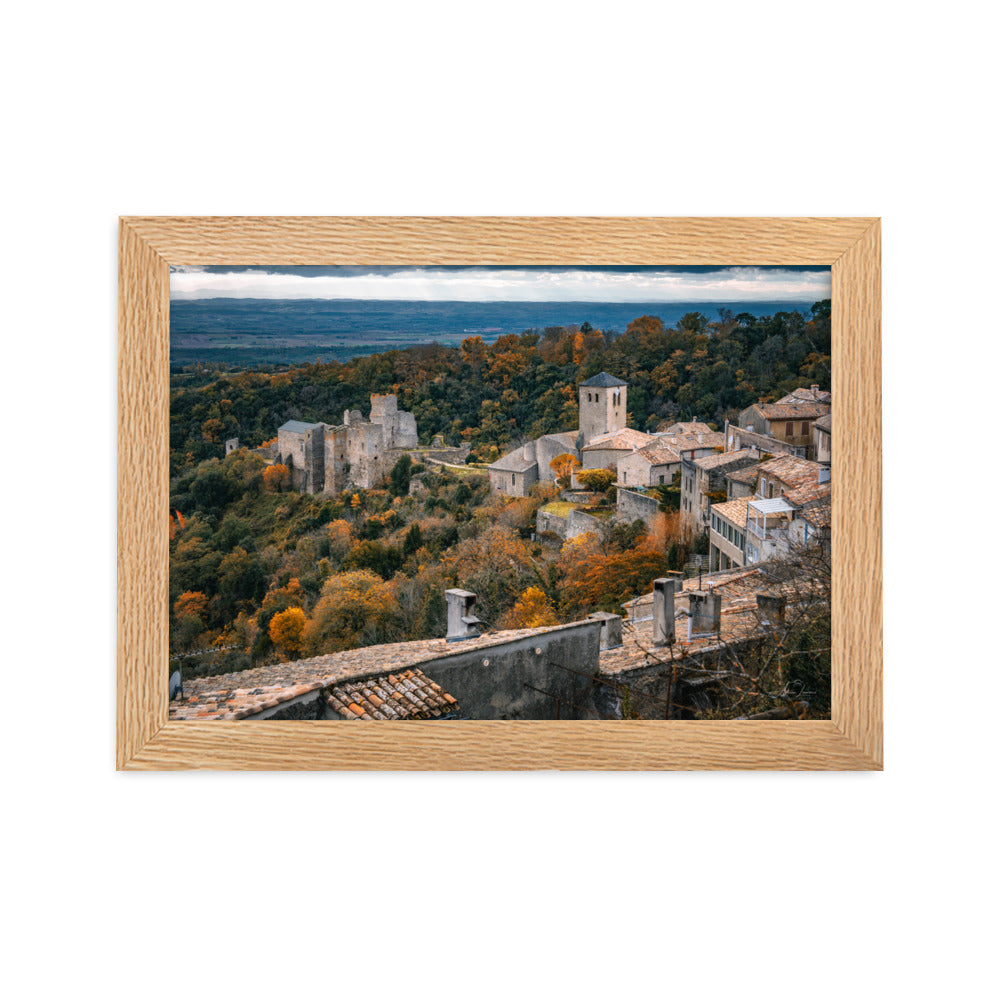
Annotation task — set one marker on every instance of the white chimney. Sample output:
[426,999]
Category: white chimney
[611,628]
[462,623]
[663,610]
[706,611]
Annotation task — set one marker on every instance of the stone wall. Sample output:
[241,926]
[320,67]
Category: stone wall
[492,683]
[546,521]
[633,506]
[579,523]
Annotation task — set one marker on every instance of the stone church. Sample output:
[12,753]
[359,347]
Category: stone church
[603,409]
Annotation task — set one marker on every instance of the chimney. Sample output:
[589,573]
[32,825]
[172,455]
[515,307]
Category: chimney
[771,608]
[706,609]
[529,451]
[462,623]
[815,389]
[824,473]
[701,437]
[663,610]
[611,628]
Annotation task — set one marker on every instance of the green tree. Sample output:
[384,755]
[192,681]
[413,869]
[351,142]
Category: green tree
[399,478]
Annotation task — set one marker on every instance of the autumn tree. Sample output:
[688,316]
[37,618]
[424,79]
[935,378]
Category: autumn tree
[276,477]
[564,466]
[353,608]
[286,629]
[191,602]
[531,610]
[597,480]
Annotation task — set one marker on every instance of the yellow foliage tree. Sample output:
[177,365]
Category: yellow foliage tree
[286,629]
[531,610]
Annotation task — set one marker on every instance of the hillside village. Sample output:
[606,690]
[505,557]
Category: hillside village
[755,494]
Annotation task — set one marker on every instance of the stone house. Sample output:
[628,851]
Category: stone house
[741,482]
[652,465]
[607,450]
[737,438]
[515,473]
[790,423]
[703,482]
[727,526]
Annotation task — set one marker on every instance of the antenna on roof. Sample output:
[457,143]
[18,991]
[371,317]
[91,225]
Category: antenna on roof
[176,687]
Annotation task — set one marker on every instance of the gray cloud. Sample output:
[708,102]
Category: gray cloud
[485,284]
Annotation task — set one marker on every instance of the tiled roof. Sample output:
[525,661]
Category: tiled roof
[739,620]
[747,475]
[691,427]
[659,454]
[242,694]
[513,462]
[410,694]
[723,458]
[691,442]
[808,493]
[819,515]
[793,411]
[627,439]
[825,423]
[791,470]
[603,381]
[734,511]
[807,394]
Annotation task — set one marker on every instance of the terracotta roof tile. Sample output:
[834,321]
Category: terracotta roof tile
[793,411]
[734,511]
[407,695]
[627,439]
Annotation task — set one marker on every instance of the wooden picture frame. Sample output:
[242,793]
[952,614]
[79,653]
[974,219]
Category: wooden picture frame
[146,740]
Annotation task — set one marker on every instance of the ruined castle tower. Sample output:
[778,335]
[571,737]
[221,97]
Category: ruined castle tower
[603,406]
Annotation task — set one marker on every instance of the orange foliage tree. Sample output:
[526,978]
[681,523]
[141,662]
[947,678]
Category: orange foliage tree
[564,466]
[191,602]
[604,581]
[276,477]
[286,629]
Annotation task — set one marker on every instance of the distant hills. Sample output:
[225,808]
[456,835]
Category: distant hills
[248,332]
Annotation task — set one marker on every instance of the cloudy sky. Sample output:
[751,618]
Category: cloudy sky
[506,284]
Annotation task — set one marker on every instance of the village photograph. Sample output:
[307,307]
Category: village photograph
[461,493]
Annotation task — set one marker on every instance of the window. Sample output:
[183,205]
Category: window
[512,479]
[805,427]
[789,429]
[661,479]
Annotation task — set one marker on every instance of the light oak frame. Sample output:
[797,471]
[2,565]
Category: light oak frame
[146,740]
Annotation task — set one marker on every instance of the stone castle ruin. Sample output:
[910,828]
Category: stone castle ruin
[327,458]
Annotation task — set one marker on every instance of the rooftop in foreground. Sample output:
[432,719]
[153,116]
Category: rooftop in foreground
[249,692]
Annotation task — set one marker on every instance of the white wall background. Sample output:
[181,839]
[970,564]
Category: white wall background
[496,885]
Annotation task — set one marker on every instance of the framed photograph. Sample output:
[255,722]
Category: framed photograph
[499,493]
